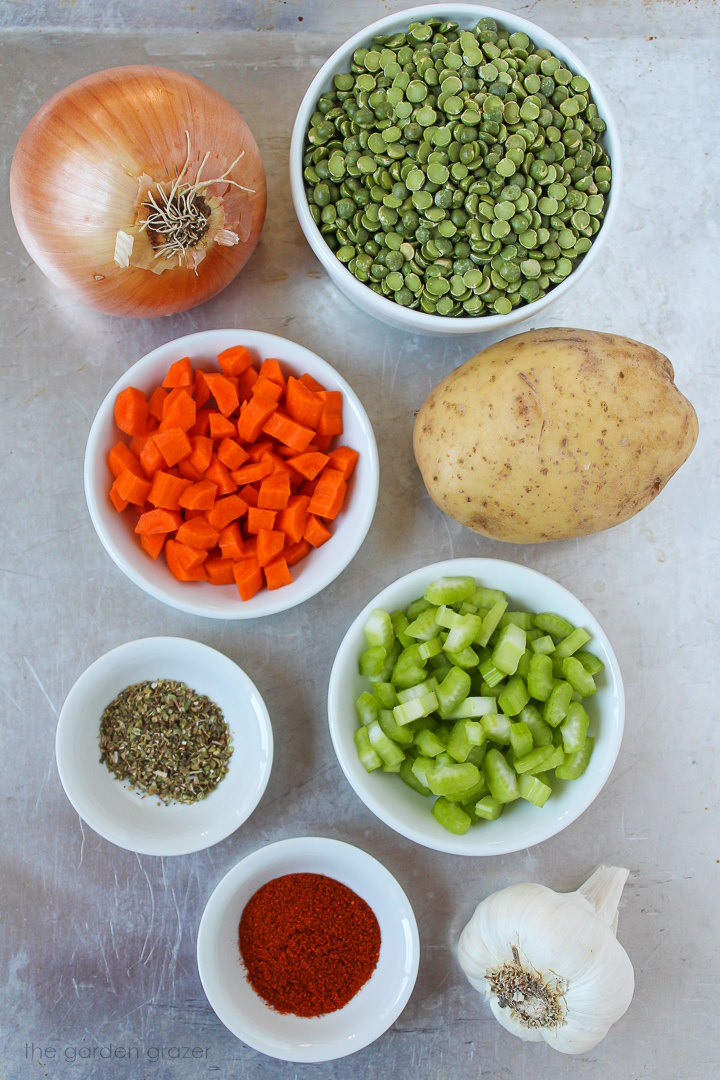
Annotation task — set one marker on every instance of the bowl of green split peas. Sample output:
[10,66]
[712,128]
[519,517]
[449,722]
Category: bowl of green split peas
[455,168]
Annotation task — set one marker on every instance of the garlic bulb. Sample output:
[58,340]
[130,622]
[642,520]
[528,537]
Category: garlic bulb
[549,963]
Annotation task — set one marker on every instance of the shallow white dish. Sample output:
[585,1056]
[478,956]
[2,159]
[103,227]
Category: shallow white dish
[123,816]
[521,825]
[467,15]
[314,572]
[376,1005]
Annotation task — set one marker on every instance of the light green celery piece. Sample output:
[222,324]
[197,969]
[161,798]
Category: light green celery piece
[427,686]
[533,634]
[428,743]
[541,732]
[509,647]
[488,808]
[473,707]
[452,691]
[477,754]
[418,606]
[540,677]
[394,768]
[534,790]
[501,777]
[466,658]
[580,679]
[463,633]
[440,666]
[451,816]
[535,760]
[388,750]
[428,649]
[385,694]
[543,645]
[424,627]
[379,629]
[406,673]
[450,590]
[367,708]
[392,655]
[490,621]
[409,777]
[553,624]
[572,643]
[401,735]
[576,764]
[452,779]
[556,759]
[521,739]
[372,662]
[417,707]
[421,767]
[514,696]
[592,664]
[464,735]
[444,759]
[400,624]
[520,618]
[491,691]
[466,608]
[447,617]
[369,758]
[491,675]
[487,598]
[557,663]
[470,794]
[496,728]
[574,728]
[524,665]
[556,706]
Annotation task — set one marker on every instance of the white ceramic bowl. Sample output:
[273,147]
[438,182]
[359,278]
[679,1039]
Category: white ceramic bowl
[521,824]
[144,825]
[376,1005]
[310,575]
[381,307]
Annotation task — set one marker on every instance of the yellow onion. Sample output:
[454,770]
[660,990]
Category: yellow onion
[138,189]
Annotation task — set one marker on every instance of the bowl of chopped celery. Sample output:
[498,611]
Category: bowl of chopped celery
[476,706]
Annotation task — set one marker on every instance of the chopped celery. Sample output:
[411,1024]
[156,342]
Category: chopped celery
[467,658]
[521,739]
[418,690]
[490,691]
[491,675]
[379,630]
[470,795]
[540,677]
[543,644]
[394,731]
[556,759]
[534,760]
[418,606]
[541,732]
[427,649]
[522,619]
[485,598]
[451,816]
[394,768]
[415,708]
[424,627]
[452,779]
[509,647]
[514,696]
[580,679]
[556,705]
[453,690]
[450,590]
[463,633]
[534,790]
[400,624]
[496,728]
[553,624]
[372,661]
[386,695]
[420,768]
[367,708]
[406,674]
[471,708]
[429,744]
[576,764]
[464,735]
[574,728]
[488,808]
[389,751]
[407,774]
[447,617]
[572,643]
[501,777]
[477,754]
[390,660]
[524,665]
[590,662]
[466,608]
[490,621]
[369,758]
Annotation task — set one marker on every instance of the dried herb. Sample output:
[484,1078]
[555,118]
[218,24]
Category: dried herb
[166,740]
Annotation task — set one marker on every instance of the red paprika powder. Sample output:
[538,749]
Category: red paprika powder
[308,943]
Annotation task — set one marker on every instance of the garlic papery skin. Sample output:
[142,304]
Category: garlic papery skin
[549,963]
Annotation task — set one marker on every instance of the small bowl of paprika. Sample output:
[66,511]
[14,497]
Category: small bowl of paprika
[308,949]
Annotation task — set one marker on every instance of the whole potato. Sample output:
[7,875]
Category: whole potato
[552,434]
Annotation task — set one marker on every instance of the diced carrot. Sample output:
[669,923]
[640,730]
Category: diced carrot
[189,471]
[307,488]
[150,458]
[277,573]
[225,394]
[152,543]
[155,402]
[185,562]
[221,427]
[254,415]
[329,494]
[219,475]
[226,510]
[330,422]
[312,384]
[293,553]
[249,494]
[120,457]
[250,548]
[270,543]
[179,374]
[249,474]
[344,459]
[265,387]
[231,453]
[293,519]
[258,449]
[179,411]
[246,381]
[200,496]
[117,500]
[159,521]
[315,532]
[202,424]
[248,578]
[259,519]
[302,404]
[309,465]
[174,445]
[166,490]
[230,542]
[235,360]
[138,444]
[219,571]
[202,448]
[288,431]
[321,443]
[131,411]
[274,491]
[132,488]
[202,390]
[198,533]
[270,369]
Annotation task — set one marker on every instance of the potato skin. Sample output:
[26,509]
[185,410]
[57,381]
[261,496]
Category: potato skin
[552,434]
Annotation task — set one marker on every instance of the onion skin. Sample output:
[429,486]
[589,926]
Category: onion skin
[74,184]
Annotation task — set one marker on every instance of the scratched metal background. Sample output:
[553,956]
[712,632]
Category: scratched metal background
[97,946]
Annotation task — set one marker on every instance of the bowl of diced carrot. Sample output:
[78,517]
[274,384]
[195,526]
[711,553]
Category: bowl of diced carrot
[231,473]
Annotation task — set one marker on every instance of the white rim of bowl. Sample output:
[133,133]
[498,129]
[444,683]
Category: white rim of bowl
[469,565]
[381,306]
[254,339]
[273,854]
[79,806]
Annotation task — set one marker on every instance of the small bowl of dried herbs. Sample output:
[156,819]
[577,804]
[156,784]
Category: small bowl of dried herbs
[164,746]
